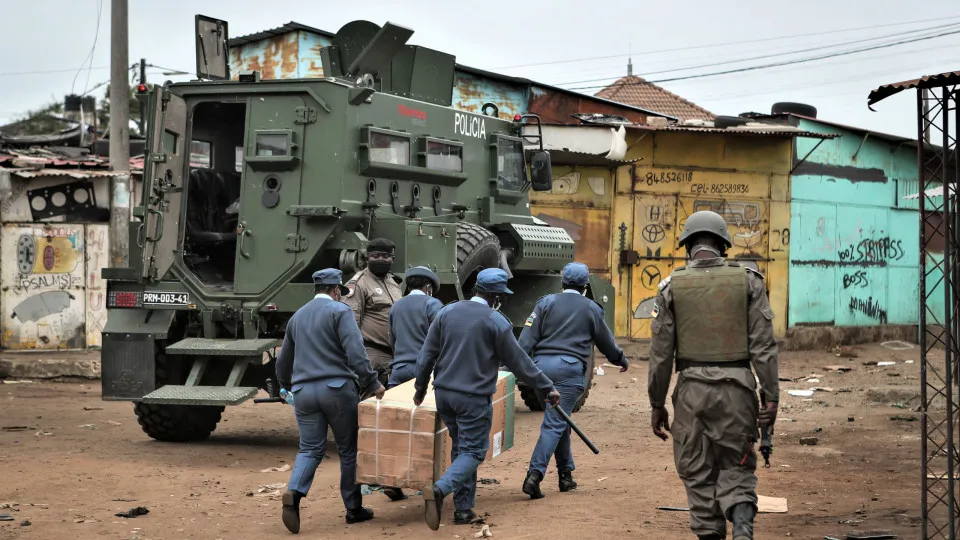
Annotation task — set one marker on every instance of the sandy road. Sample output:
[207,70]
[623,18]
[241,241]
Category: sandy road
[85,460]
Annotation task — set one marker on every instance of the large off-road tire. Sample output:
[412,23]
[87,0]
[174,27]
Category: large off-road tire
[534,402]
[175,423]
[477,248]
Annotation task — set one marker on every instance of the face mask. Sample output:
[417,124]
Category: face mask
[378,267]
[700,248]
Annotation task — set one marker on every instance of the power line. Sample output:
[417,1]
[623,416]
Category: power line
[762,40]
[774,55]
[773,65]
[96,37]
[46,71]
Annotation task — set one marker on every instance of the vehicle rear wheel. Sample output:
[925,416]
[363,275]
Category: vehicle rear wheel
[175,423]
[533,401]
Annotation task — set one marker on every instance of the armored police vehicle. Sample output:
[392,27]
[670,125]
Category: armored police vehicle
[251,185]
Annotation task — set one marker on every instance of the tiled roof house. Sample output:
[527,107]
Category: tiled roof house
[636,91]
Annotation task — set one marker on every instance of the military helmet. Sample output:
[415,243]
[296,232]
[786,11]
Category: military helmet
[705,221]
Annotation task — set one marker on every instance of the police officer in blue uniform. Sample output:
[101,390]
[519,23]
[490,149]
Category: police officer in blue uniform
[324,364]
[464,348]
[409,319]
[559,335]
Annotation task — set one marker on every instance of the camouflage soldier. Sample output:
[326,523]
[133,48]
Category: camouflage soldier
[373,291]
[715,316]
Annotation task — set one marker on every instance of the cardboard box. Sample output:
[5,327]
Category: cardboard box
[401,445]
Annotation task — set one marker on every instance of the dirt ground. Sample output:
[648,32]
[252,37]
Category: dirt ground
[82,460]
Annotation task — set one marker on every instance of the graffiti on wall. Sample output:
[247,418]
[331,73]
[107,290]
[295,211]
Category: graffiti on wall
[43,294]
[96,250]
[869,307]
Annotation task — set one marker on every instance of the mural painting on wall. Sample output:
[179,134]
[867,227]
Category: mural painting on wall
[748,225]
[43,293]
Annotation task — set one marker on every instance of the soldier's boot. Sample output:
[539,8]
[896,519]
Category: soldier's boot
[566,481]
[358,514]
[291,510]
[743,515]
[531,484]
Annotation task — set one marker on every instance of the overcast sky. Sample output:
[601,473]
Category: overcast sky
[52,38]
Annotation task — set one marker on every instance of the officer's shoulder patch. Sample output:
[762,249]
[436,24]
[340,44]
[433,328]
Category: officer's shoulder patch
[530,319]
[656,310]
[396,278]
[759,275]
[663,284]
[351,285]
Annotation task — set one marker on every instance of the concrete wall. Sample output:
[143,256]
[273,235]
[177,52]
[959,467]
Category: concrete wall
[855,257]
[52,296]
[643,208]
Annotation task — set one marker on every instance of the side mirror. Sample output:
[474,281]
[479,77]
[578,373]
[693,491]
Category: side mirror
[541,173]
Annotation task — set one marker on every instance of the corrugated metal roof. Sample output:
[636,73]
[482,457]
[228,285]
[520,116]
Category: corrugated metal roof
[753,131]
[931,193]
[73,173]
[291,26]
[927,81]
[860,130]
[639,92]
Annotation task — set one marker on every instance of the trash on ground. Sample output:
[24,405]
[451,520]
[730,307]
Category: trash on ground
[133,512]
[871,535]
[15,428]
[842,369]
[270,490]
[93,408]
[908,362]
[42,433]
[900,418]
[813,381]
[487,481]
[484,532]
[6,517]
[283,468]
[602,479]
[896,345]
[765,505]
[885,364]
[112,422]
[809,441]
[87,426]
[600,370]
[800,393]
[822,389]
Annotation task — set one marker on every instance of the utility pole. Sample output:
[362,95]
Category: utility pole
[119,135]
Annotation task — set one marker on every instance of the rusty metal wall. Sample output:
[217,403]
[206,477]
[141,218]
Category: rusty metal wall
[556,107]
[287,56]
[471,92]
[744,181]
[580,202]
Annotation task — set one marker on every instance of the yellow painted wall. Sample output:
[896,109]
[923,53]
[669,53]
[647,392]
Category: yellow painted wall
[744,178]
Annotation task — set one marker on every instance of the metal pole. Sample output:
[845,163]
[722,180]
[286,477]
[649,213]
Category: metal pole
[949,257]
[921,121]
[119,135]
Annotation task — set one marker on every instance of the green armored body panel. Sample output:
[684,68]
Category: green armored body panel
[250,186]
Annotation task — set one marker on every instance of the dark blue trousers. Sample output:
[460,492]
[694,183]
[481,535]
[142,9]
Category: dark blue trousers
[469,419]
[567,374]
[331,402]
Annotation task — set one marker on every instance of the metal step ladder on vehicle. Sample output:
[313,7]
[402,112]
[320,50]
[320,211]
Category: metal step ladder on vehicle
[243,352]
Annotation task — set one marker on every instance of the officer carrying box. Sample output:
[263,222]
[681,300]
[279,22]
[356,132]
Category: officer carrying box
[464,349]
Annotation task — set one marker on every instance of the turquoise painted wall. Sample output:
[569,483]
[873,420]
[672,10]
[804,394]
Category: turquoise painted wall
[854,250]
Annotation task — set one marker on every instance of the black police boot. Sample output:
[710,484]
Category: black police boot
[291,510]
[531,484]
[433,506]
[743,515]
[394,494]
[566,481]
[356,515]
[464,517]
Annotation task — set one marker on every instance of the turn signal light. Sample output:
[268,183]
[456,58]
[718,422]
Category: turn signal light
[517,118]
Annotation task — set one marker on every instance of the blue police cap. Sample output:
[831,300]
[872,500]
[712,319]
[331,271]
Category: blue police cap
[575,274]
[330,276]
[424,272]
[493,280]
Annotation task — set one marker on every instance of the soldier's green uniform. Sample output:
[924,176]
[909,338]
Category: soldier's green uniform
[715,316]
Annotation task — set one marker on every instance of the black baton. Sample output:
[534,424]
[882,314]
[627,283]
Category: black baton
[586,440]
[268,400]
